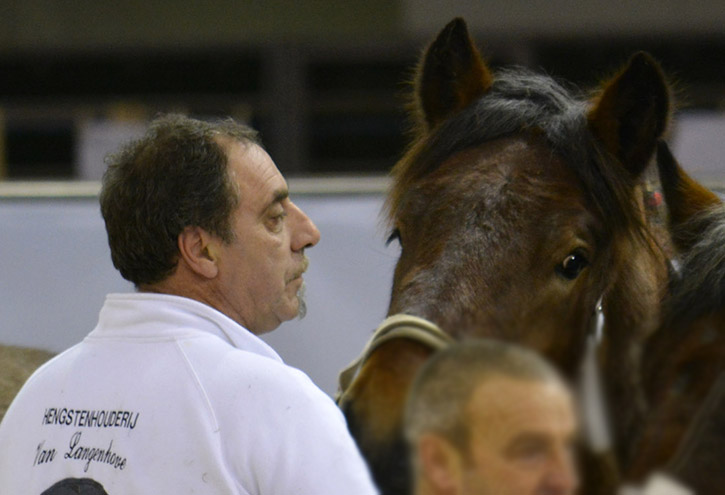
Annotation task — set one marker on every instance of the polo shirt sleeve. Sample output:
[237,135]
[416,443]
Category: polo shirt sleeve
[285,436]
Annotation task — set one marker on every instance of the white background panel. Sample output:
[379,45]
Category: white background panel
[55,270]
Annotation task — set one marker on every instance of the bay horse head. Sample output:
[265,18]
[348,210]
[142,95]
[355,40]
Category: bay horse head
[518,205]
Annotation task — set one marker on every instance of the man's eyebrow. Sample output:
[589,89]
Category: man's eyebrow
[278,196]
[533,437]
[526,438]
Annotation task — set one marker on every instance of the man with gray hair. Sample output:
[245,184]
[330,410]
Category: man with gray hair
[486,417]
[173,392]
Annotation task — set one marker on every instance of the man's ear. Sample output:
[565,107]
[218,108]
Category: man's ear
[199,251]
[440,464]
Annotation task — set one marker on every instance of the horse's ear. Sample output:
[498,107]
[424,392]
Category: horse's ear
[451,75]
[684,196]
[631,112]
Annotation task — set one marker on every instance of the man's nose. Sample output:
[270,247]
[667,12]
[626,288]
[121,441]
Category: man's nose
[305,232]
[562,478]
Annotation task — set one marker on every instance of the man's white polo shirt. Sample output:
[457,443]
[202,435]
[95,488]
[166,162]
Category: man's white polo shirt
[169,396]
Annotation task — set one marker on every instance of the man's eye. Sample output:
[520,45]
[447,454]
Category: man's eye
[529,452]
[275,221]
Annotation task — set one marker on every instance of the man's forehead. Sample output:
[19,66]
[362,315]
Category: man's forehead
[499,419]
[256,175]
[509,400]
[502,385]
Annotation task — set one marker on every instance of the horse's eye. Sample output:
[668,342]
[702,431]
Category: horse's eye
[572,266]
[394,236]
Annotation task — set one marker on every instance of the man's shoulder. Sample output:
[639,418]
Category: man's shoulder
[235,365]
[238,376]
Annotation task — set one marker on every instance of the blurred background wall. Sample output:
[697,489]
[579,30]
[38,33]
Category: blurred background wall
[325,82]
[322,79]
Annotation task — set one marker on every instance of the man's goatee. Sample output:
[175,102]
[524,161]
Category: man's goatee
[302,312]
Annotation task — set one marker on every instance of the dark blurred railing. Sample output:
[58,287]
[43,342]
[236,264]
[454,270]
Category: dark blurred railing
[321,109]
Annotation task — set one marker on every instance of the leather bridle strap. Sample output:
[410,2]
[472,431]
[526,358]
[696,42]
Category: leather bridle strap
[400,326]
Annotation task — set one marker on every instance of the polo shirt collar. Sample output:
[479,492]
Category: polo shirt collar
[146,315]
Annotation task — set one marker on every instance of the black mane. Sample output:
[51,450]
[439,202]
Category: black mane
[700,288]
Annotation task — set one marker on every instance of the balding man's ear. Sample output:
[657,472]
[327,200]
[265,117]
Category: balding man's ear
[198,250]
[439,463]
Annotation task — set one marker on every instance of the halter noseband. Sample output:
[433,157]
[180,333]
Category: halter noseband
[400,326]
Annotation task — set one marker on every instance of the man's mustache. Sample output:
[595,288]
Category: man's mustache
[303,267]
